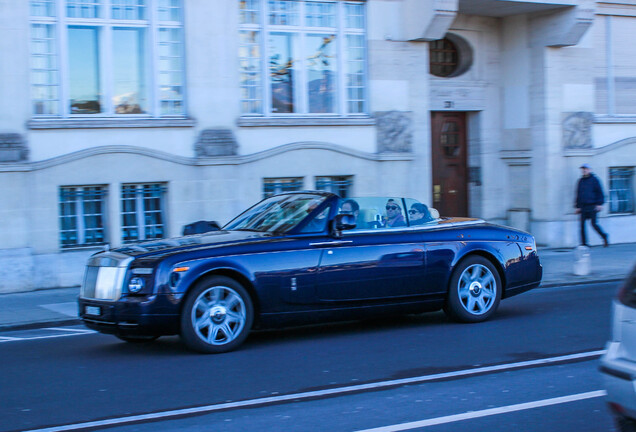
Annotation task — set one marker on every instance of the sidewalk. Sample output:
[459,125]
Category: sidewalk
[55,307]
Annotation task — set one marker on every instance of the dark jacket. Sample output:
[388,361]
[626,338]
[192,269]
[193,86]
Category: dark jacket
[589,192]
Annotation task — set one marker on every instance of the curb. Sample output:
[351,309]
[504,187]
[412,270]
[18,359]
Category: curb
[560,284]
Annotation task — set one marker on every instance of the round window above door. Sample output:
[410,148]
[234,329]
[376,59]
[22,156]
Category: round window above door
[449,57]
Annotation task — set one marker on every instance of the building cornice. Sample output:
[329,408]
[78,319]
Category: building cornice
[210,161]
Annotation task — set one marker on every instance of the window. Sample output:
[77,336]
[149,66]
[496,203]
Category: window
[302,57]
[82,213]
[273,186]
[143,212]
[621,190]
[449,57]
[614,66]
[98,57]
[340,185]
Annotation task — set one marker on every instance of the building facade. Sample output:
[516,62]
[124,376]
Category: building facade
[124,120]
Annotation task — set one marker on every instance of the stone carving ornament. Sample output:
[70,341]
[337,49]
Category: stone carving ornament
[216,142]
[577,130]
[13,148]
[395,131]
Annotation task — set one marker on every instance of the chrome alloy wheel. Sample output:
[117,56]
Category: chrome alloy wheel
[218,315]
[477,289]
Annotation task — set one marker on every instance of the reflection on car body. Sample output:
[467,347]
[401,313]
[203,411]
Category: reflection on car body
[305,257]
[618,364]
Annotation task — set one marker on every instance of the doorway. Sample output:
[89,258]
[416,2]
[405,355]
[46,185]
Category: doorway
[449,163]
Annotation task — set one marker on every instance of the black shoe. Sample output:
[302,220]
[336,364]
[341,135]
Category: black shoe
[606,241]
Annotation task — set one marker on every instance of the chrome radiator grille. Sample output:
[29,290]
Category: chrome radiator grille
[104,276]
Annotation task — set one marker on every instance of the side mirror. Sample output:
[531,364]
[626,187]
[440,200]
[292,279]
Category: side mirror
[344,221]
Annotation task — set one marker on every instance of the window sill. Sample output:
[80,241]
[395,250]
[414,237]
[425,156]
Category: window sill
[82,248]
[93,123]
[304,121]
[606,119]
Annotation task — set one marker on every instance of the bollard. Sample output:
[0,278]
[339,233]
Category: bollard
[583,262]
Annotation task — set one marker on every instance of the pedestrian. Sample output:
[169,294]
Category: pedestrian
[589,201]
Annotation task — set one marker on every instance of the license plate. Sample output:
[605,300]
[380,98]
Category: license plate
[93,310]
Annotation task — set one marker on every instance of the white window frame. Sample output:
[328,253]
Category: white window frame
[300,85]
[104,26]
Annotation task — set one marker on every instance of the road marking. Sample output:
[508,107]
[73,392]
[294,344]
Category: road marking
[295,397]
[488,412]
[68,333]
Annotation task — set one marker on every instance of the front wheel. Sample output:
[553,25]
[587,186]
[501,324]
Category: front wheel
[474,292]
[217,315]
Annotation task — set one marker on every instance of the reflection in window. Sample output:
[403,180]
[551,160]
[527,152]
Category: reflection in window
[621,190]
[283,76]
[316,57]
[321,73]
[129,71]
[84,70]
[109,65]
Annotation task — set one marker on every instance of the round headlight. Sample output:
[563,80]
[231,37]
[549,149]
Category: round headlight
[136,284]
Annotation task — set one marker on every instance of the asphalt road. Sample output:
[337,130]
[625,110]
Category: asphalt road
[66,377]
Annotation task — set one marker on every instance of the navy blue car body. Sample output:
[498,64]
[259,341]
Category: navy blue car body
[277,277]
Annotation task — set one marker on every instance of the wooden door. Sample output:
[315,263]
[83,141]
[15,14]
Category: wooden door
[450,182]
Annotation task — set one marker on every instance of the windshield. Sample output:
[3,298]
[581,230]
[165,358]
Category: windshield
[276,214]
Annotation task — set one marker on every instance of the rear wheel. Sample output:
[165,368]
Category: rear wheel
[217,315]
[474,292]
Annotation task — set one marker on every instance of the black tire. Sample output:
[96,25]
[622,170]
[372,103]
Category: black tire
[137,339]
[474,291]
[223,312]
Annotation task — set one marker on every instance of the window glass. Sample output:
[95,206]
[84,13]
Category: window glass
[143,208]
[621,190]
[129,71]
[272,186]
[249,58]
[340,185]
[107,51]
[283,76]
[44,70]
[82,213]
[83,8]
[315,57]
[129,9]
[321,73]
[84,81]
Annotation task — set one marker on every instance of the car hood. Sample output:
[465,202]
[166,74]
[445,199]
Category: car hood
[197,241]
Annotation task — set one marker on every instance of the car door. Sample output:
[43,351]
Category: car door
[363,266]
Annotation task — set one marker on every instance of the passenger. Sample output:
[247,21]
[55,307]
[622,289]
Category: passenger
[394,216]
[351,207]
[419,214]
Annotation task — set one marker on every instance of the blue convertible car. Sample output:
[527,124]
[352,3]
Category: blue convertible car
[306,257]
